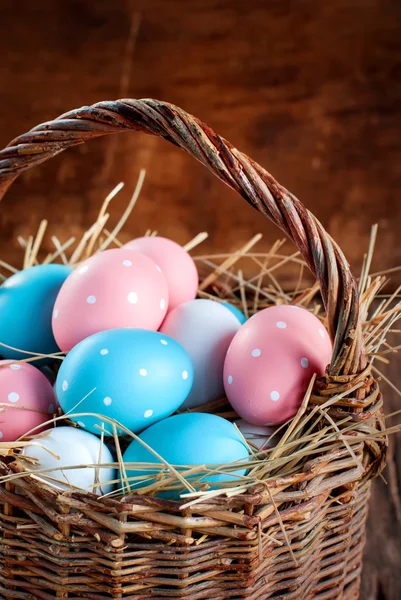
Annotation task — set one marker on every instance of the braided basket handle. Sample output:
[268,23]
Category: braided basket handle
[238,171]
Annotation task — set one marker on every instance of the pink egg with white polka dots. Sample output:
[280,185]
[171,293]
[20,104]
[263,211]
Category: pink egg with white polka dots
[271,361]
[175,262]
[111,290]
[26,398]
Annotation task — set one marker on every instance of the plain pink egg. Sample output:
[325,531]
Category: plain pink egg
[175,262]
[113,289]
[271,361]
[27,399]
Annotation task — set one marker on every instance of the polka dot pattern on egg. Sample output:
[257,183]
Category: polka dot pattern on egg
[132,297]
[31,396]
[148,413]
[176,265]
[293,346]
[118,288]
[127,371]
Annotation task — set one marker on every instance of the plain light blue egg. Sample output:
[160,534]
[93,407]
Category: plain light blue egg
[26,306]
[236,311]
[188,439]
[133,376]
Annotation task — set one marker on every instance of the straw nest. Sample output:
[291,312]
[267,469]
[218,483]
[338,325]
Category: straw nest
[250,280]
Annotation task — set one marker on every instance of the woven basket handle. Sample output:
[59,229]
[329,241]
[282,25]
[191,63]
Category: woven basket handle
[241,173]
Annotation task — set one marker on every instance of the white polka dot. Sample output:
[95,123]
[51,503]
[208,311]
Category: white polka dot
[15,367]
[304,363]
[127,263]
[143,372]
[256,352]
[158,268]
[107,401]
[81,424]
[164,342]
[104,351]
[148,413]
[184,374]
[83,269]
[132,297]
[281,324]
[1,435]
[55,313]
[321,331]
[274,396]
[91,299]
[230,379]
[162,304]
[51,408]
[13,397]
[64,385]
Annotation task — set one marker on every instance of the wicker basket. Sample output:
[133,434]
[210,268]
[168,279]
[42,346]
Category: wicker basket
[73,545]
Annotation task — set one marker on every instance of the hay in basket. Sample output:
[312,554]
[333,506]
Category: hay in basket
[292,527]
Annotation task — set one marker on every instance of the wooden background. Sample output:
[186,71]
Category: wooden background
[310,89]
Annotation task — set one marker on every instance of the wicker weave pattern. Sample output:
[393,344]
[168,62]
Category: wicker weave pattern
[299,537]
[326,535]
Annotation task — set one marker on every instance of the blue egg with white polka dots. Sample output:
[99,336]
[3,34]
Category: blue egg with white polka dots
[236,312]
[133,376]
[26,305]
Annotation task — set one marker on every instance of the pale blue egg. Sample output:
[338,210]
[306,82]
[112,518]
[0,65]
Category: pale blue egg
[134,376]
[236,312]
[26,306]
[188,439]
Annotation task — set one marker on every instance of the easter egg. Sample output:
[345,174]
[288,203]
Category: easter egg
[72,447]
[236,311]
[271,361]
[205,329]
[258,436]
[27,399]
[112,289]
[133,376]
[177,265]
[189,439]
[26,305]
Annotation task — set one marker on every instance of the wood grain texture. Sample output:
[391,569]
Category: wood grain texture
[309,89]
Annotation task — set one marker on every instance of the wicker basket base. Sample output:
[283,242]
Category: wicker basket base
[327,545]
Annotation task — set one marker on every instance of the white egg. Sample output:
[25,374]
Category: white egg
[257,435]
[73,447]
[205,329]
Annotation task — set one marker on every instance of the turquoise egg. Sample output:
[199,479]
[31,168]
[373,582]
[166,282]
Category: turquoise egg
[134,376]
[236,312]
[188,439]
[26,306]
